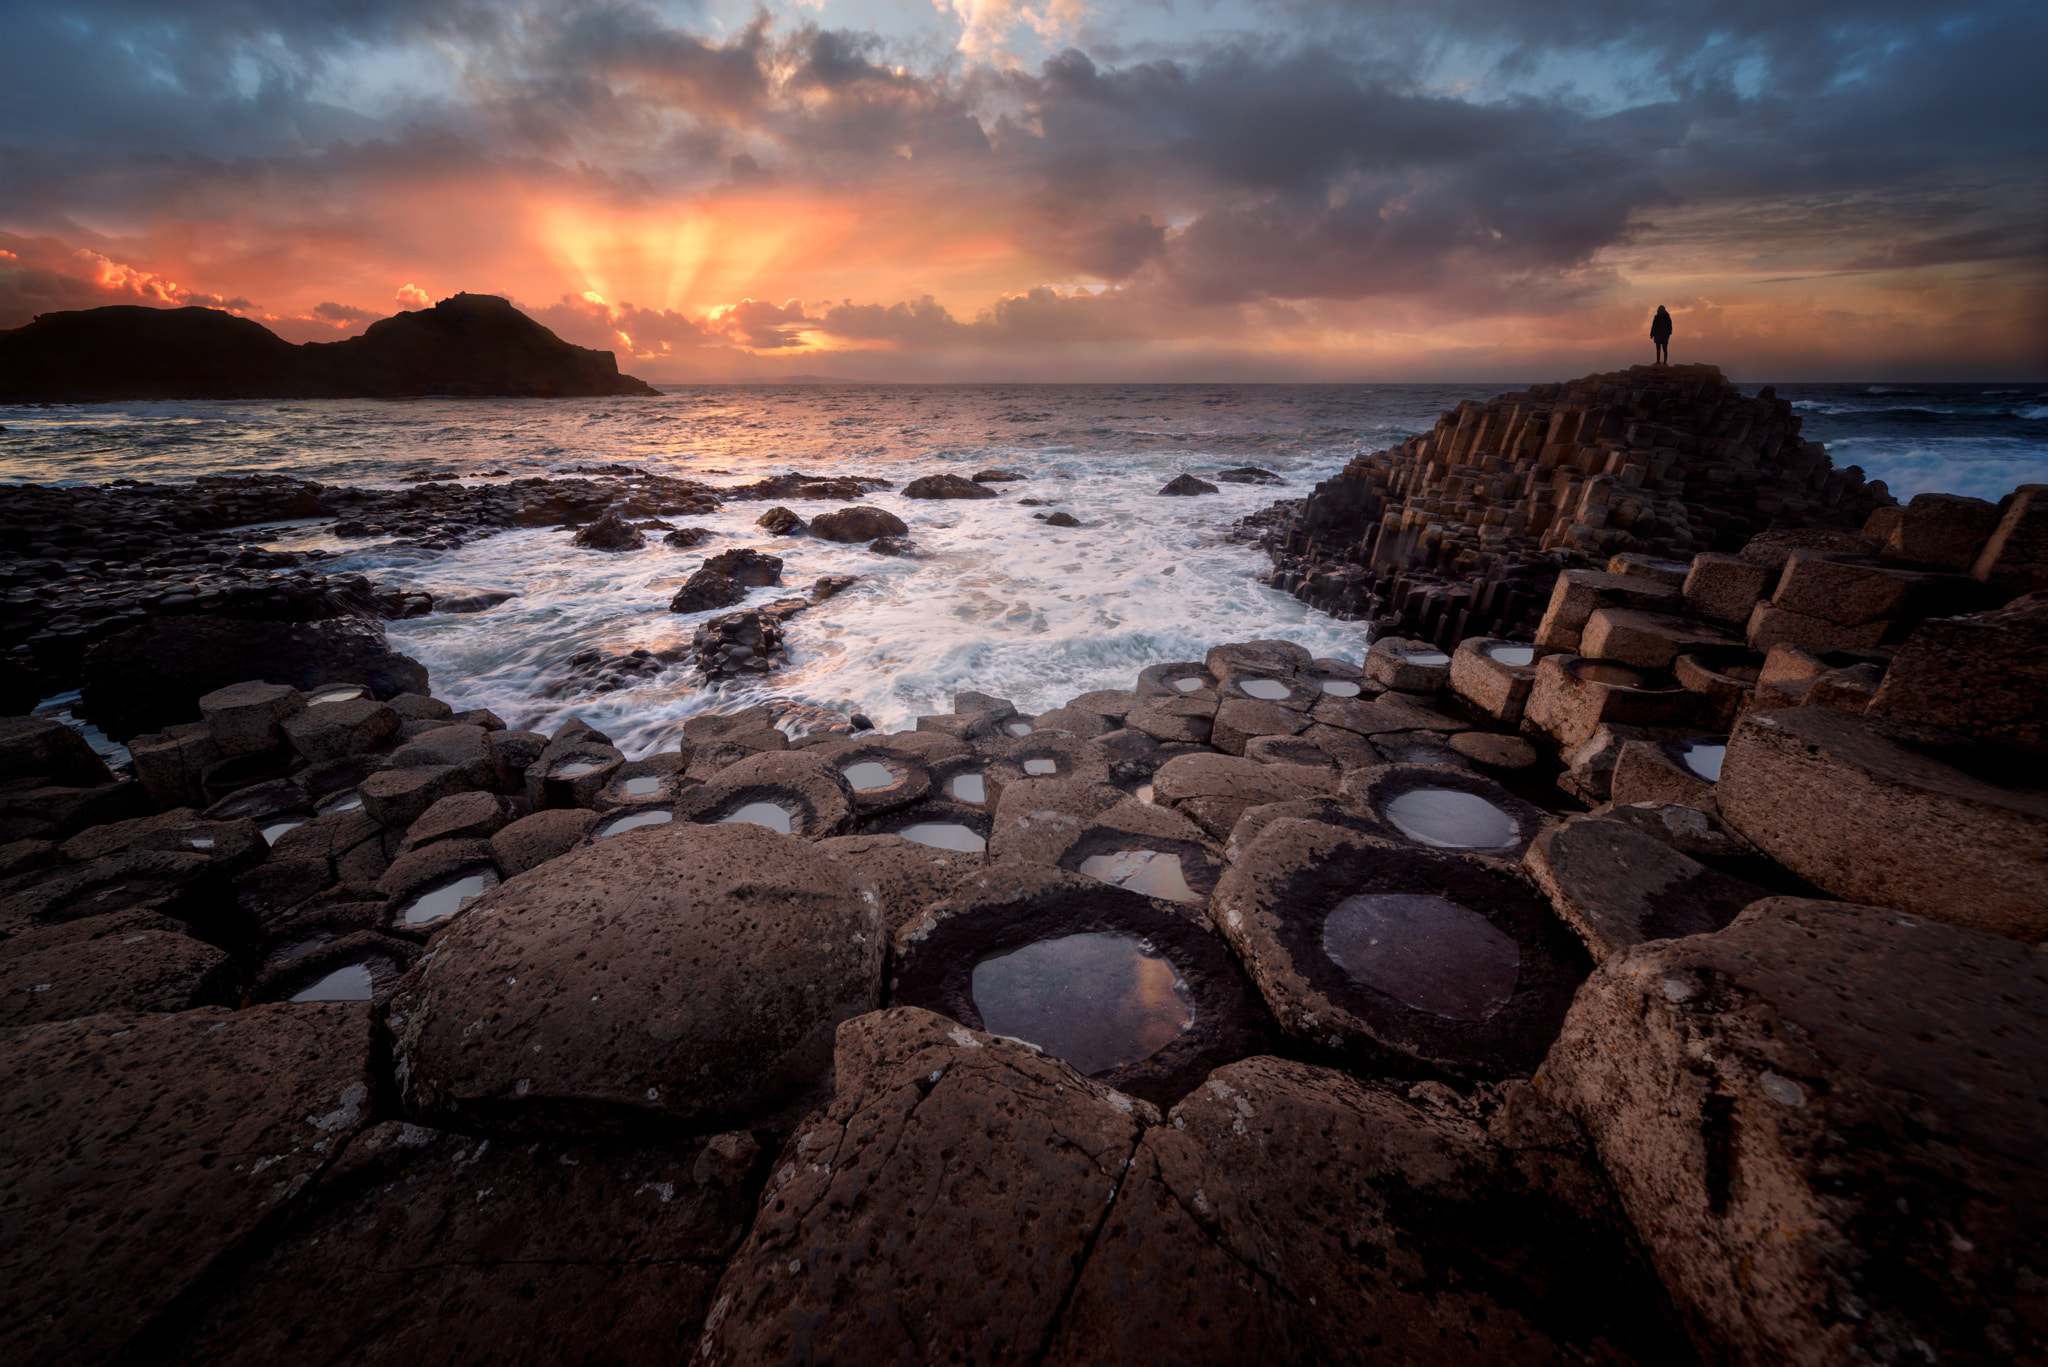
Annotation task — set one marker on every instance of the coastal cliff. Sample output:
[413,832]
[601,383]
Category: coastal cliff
[471,345]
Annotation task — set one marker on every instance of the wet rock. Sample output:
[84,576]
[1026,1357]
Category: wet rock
[124,962]
[572,771]
[832,585]
[1453,1229]
[398,797]
[1390,956]
[511,754]
[1801,1117]
[683,538]
[669,977]
[945,486]
[412,707]
[1441,808]
[427,1246]
[359,966]
[46,748]
[1161,1019]
[129,1165]
[609,533]
[878,778]
[704,590]
[896,546]
[1618,886]
[858,523]
[1184,484]
[473,601]
[336,730]
[941,1133]
[1891,814]
[435,864]
[533,840]
[998,477]
[738,644]
[781,522]
[1248,474]
[152,676]
[801,785]
[1062,519]
[245,718]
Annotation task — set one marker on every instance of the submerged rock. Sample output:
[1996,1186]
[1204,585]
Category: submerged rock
[1188,484]
[610,533]
[945,486]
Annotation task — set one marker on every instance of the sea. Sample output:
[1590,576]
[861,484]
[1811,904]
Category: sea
[997,601]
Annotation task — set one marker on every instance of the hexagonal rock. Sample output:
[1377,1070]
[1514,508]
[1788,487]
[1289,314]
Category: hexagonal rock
[141,1150]
[906,877]
[1618,886]
[1112,703]
[673,976]
[1012,906]
[399,797]
[1454,965]
[244,718]
[426,1246]
[1578,592]
[461,746]
[533,840]
[43,747]
[1438,808]
[1175,720]
[1215,790]
[1815,1121]
[901,782]
[125,962]
[333,730]
[2015,558]
[1293,1214]
[1725,588]
[1239,720]
[1497,753]
[376,963]
[1983,675]
[1882,812]
[1073,721]
[873,1242]
[1484,677]
[802,783]
[474,816]
[1573,696]
[1945,530]
[1376,716]
[1771,625]
[1649,640]
[1165,680]
[1076,825]
[511,754]
[1646,771]
[1408,666]
[571,772]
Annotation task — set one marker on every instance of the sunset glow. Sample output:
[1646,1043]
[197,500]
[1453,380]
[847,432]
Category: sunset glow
[1060,191]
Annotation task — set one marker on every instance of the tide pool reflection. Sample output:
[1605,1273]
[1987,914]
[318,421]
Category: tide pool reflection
[1424,951]
[1097,1000]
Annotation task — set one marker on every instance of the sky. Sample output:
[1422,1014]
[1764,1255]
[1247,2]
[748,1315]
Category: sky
[1059,190]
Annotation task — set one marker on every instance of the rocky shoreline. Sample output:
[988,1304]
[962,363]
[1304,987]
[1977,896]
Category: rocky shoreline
[1660,982]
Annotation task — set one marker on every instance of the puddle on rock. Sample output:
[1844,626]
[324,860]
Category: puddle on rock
[1187,685]
[1097,1000]
[1038,768]
[1451,819]
[1145,792]
[1150,873]
[442,902]
[338,693]
[869,775]
[969,788]
[301,948]
[1514,656]
[634,822]
[1427,657]
[1272,690]
[199,842]
[1340,688]
[275,829]
[1425,952]
[350,984]
[945,835]
[577,768]
[350,801]
[645,786]
[1703,758]
[1018,728]
[762,814]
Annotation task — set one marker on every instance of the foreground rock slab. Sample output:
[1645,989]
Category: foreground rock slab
[424,1246]
[938,1211]
[137,1153]
[1800,1117]
[668,978]
[1291,1214]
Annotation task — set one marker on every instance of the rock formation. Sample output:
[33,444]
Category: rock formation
[473,345]
[1456,531]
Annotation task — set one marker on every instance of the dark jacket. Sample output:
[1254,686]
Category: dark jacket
[1660,326]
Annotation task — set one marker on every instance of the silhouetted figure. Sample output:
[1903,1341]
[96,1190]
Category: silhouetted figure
[1660,333]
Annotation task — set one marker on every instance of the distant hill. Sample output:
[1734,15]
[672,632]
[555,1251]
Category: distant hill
[473,346]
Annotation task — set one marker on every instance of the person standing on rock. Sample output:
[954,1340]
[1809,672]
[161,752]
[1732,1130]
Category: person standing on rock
[1660,333]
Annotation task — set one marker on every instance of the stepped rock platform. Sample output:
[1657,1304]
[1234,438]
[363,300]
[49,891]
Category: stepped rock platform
[1630,983]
